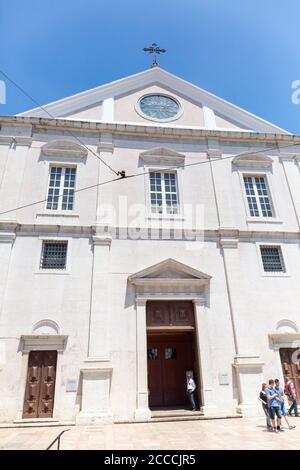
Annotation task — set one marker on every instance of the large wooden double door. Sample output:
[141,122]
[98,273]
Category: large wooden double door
[40,384]
[169,357]
[290,367]
[170,351]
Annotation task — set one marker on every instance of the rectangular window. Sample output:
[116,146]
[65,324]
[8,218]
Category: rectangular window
[54,255]
[164,193]
[272,259]
[258,196]
[61,188]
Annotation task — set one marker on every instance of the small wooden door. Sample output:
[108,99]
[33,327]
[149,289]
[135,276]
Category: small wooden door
[290,368]
[169,357]
[40,384]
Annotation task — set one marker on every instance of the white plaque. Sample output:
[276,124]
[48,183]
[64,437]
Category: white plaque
[71,385]
[223,379]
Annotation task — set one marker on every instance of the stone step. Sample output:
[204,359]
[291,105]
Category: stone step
[175,413]
[194,417]
[36,423]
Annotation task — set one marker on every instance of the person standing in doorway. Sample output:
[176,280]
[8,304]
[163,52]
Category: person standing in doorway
[190,388]
[291,394]
[264,402]
[274,406]
[281,399]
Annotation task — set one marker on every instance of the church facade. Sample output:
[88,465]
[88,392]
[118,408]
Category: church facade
[147,228]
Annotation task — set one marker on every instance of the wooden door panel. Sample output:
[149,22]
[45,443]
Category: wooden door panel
[290,369]
[182,314]
[40,384]
[154,374]
[32,390]
[163,313]
[171,359]
[167,373]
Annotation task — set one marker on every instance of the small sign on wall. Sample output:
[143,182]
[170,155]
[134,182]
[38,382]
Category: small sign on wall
[71,385]
[223,379]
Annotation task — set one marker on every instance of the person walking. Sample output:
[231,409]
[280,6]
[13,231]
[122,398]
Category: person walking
[274,408]
[281,398]
[291,394]
[190,388]
[264,402]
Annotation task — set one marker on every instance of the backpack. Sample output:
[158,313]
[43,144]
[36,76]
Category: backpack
[287,390]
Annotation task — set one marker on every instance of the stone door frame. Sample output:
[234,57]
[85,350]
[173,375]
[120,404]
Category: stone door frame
[171,281]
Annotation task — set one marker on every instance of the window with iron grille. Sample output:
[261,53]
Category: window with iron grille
[163,193]
[61,188]
[258,196]
[54,255]
[272,259]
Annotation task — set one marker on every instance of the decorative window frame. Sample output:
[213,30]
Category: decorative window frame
[174,118]
[60,272]
[264,273]
[244,171]
[257,164]
[66,154]
[163,169]
[162,159]
[60,212]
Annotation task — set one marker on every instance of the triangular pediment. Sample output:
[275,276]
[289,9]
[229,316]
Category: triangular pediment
[222,114]
[253,160]
[64,148]
[162,155]
[169,270]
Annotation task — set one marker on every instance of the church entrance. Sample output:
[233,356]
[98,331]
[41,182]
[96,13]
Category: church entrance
[171,351]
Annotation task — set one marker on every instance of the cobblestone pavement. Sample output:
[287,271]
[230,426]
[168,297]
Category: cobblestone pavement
[244,433]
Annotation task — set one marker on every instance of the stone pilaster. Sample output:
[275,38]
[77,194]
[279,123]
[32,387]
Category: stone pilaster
[291,166]
[6,243]
[97,370]
[248,366]
[142,412]
[204,348]
[222,186]
[98,347]
[105,207]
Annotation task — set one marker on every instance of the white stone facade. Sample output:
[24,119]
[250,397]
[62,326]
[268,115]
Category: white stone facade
[94,311]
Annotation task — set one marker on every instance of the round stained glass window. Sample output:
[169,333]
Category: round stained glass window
[159,107]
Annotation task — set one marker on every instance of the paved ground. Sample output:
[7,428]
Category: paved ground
[245,433]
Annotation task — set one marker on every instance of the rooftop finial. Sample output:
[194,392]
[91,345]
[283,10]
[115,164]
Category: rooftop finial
[154,49]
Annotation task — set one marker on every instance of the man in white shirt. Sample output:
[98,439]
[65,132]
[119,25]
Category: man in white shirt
[191,387]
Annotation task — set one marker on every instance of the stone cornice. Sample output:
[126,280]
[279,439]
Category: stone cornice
[102,240]
[17,140]
[7,237]
[227,235]
[150,130]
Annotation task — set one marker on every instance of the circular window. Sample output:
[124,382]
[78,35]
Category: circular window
[159,107]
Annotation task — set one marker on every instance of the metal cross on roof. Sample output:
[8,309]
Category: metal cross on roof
[154,49]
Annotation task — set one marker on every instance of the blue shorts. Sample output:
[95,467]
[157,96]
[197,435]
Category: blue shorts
[275,410]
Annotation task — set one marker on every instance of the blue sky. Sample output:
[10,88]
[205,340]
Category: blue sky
[245,51]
